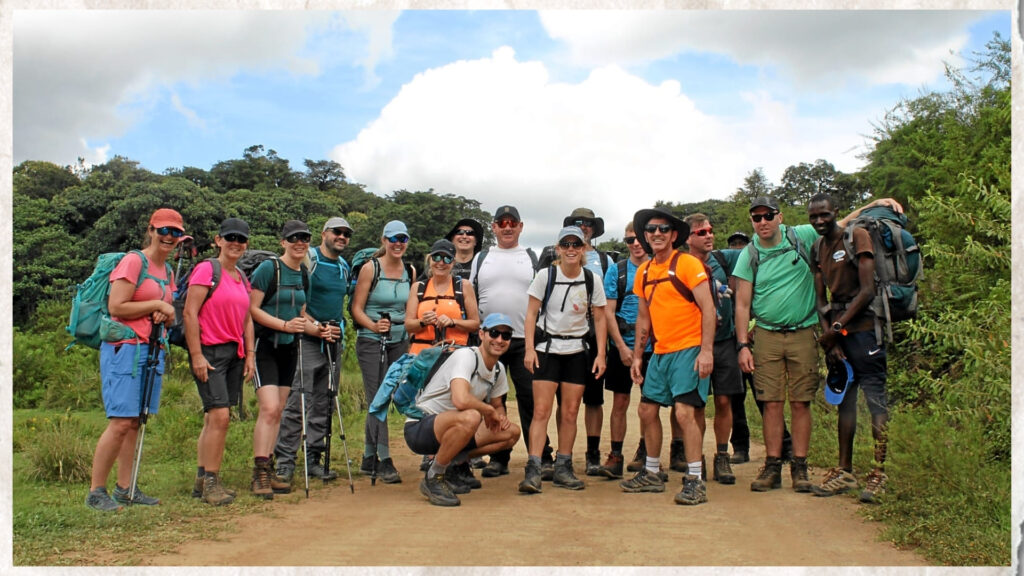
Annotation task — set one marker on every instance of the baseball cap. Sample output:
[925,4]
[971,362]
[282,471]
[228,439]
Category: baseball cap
[504,211]
[234,226]
[840,375]
[764,202]
[495,319]
[336,222]
[570,231]
[443,246]
[294,227]
[395,227]
[167,217]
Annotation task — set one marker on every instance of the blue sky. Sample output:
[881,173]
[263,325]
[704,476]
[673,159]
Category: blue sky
[546,110]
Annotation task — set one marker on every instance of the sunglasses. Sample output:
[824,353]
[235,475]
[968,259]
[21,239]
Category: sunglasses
[495,333]
[236,238]
[398,239]
[629,240]
[342,232]
[758,217]
[299,237]
[571,244]
[174,232]
[663,228]
[582,223]
[507,223]
[441,257]
[463,233]
[702,232]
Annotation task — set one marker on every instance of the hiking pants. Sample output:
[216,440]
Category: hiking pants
[314,371]
[368,354]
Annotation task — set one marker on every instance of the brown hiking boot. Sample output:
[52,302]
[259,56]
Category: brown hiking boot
[214,493]
[769,477]
[639,459]
[723,471]
[798,472]
[612,467]
[261,481]
[197,488]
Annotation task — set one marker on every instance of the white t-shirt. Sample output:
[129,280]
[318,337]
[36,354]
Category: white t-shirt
[484,384]
[570,318]
[503,279]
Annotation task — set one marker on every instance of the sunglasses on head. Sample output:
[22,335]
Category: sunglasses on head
[495,333]
[582,223]
[507,223]
[299,237]
[663,228]
[702,232]
[463,233]
[629,240]
[571,244]
[398,239]
[174,232]
[342,232]
[758,217]
[441,257]
[237,238]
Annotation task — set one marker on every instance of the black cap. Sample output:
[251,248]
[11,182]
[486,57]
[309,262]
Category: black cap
[504,211]
[764,202]
[443,246]
[294,227]
[234,226]
[738,236]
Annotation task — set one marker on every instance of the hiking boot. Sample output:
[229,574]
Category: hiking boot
[694,491]
[281,484]
[644,481]
[612,467]
[261,481]
[98,499]
[566,478]
[769,477]
[531,483]
[662,474]
[723,471]
[639,459]
[197,488]
[317,470]
[593,463]
[798,473]
[121,496]
[494,469]
[438,492]
[455,482]
[739,457]
[426,462]
[547,470]
[214,493]
[368,466]
[387,473]
[874,486]
[285,472]
[836,481]
[677,457]
[477,463]
[465,474]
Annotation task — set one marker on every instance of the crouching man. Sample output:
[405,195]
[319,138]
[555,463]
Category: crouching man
[464,417]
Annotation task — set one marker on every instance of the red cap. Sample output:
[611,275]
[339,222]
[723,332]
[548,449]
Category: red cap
[167,217]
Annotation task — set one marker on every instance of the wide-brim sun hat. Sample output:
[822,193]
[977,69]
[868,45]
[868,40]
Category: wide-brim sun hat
[840,376]
[478,232]
[642,217]
[597,224]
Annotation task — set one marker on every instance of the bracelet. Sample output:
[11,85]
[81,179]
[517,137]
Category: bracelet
[284,324]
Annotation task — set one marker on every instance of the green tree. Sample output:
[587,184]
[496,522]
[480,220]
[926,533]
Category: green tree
[324,174]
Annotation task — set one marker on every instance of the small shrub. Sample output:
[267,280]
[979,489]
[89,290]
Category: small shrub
[58,452]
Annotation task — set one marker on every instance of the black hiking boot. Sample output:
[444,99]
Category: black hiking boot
[438,492]
[593,463]
[465,474]
[566,478]
[387,473]
[369,465]
[694,491]
[494,469]
[677,457]
[531,483]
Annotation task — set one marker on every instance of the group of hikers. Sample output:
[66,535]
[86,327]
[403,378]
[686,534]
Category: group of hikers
[674,317]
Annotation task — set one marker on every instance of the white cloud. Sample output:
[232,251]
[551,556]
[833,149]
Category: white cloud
[188,113]
[502,131]
[815,48]
[74,69]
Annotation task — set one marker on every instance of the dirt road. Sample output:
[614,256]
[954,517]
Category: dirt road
[598,526]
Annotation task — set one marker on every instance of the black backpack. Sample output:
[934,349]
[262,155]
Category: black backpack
[176,333]
[541,334]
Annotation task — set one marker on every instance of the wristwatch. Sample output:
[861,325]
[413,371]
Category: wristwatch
[742,345]
[837,327]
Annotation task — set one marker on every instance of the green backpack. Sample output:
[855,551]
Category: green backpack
[90,321]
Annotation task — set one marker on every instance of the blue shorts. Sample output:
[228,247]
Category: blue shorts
[671,376]
[122,391]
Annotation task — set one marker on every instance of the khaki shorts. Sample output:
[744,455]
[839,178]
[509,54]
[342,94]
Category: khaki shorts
[778,354]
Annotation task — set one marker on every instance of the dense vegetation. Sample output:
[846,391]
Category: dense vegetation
[944,155]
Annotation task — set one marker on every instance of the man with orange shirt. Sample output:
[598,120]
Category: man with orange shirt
[677,310]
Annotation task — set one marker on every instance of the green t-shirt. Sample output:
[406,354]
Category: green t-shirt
[287,302]
[784,290]
[726,308]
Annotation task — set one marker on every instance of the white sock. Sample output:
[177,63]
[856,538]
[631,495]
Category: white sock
[653,465]
[695,468]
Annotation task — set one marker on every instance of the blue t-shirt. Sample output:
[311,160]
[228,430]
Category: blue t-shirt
[327,287]
[726,306]
[628,310]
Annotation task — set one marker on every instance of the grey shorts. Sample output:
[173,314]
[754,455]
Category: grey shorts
[224,382]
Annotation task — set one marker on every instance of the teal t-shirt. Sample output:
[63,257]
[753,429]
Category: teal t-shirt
[328,286]
[726,306]
[287,302]
[389,295]
[784,290]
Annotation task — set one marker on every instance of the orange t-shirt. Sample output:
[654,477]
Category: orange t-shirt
[675,320]
[445,304]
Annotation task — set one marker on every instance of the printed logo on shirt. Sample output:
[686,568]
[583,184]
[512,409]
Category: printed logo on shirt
[839,256]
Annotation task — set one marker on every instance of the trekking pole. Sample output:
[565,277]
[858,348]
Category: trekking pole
[333,389]
[380,374]
[152,359]
[302,405]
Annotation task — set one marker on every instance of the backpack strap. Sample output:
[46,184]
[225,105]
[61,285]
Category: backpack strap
[720,258]
[604,261]
[621,282]
[533,257]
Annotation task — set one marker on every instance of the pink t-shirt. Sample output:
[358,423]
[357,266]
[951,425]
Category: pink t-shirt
[222,318]
[129,269]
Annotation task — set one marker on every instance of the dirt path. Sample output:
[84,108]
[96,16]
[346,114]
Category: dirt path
[597,526]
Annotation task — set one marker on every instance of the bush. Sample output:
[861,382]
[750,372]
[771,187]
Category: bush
[58,451]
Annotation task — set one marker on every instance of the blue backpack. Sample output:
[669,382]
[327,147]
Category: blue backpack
[406,378]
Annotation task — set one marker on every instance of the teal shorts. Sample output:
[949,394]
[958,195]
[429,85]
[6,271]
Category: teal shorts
[671,376]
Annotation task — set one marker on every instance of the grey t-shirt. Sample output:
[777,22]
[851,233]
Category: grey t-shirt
[484,384]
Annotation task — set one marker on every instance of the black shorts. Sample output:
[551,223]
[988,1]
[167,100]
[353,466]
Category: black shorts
[593,393]
[275,366]
[726,376]
[617,377]
[420,437]
[224,381]
[569,368]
